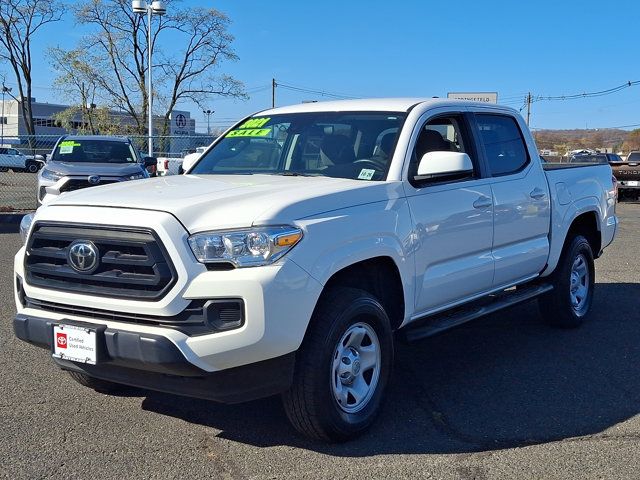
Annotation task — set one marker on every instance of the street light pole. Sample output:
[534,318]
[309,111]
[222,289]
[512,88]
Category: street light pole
[150,8]
[150,88]
[208,113]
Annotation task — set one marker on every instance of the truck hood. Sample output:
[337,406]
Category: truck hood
[100,169]
[206,202]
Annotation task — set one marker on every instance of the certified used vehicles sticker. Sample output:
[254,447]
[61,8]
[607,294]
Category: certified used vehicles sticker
[251,128]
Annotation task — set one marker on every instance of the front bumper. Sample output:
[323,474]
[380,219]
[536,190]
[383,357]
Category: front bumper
[153,362]
[278,299]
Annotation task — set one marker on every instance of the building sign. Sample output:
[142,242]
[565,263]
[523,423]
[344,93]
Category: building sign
[482,97]
[181,123]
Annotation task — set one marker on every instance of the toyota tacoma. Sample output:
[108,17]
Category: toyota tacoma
[301,245]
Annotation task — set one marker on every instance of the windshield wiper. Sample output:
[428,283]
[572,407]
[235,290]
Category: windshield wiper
[289,173]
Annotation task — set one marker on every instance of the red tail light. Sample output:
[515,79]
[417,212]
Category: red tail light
[166,165]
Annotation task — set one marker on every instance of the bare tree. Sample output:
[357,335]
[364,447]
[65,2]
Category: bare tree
[20,20]
[77,82]
[114,57]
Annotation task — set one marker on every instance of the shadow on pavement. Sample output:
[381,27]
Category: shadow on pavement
[501,382]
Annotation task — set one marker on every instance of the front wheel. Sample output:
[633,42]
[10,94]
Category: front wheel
[568,305]
[32,167]
[342,368]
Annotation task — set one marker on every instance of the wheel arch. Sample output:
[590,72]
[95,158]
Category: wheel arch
[379,276]
[584,221]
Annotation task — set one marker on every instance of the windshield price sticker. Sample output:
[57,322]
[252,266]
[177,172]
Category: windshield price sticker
[366,174]
[255,123]
[67,146]
[253,132]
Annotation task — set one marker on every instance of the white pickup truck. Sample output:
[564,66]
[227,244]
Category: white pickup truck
[301,244]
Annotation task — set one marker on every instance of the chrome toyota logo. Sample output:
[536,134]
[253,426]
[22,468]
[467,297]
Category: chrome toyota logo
[83,256]
[93,179]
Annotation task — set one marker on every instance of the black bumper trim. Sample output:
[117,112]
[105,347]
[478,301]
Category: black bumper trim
[155,363]
[143,351]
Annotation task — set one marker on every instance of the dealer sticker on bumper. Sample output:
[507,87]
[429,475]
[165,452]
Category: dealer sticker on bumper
[77,344]
[632,183]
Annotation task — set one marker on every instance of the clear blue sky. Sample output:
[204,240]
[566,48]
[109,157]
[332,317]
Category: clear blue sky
[425,48]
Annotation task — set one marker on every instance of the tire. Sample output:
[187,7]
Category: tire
[4,169]
[102,386]
[32,167]
[345,326]
[568,305]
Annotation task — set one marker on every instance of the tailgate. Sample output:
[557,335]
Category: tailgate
[627,173]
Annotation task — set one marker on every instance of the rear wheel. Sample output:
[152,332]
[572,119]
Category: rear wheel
[4,169]
[102,386]
[342,367]
[568,305]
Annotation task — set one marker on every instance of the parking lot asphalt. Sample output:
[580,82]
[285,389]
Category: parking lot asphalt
[504,397]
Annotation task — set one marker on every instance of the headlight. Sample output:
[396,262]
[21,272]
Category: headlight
[138,176]
[51,175]
[249,247]
[25,226]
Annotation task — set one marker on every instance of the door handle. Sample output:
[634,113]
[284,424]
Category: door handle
[482,202]
[538,193]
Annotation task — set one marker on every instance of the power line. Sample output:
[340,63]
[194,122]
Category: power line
[600,93]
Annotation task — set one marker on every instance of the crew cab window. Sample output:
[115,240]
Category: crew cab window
[12,151]
[503,144]
[442,134]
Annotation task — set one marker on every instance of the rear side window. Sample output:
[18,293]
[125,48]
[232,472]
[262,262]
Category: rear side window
[503,144]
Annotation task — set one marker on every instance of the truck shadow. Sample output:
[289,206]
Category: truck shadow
[501,382]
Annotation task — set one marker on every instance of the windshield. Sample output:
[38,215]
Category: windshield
[94,151]
[356,145]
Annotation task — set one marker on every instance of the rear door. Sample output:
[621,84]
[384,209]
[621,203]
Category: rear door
[453,220]
[522,213]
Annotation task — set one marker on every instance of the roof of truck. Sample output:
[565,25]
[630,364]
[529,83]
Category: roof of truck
[369,105]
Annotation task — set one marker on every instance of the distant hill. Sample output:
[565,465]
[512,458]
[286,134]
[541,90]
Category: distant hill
[565,140]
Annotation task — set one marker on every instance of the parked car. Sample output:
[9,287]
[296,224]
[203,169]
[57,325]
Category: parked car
[79,162]
[628,176]
[589,158]
[10,158]
[301,245]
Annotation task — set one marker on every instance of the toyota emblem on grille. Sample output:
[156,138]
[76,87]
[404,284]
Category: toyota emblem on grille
[83,256]
[93,179]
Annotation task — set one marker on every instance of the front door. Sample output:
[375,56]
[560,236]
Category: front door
[453,221]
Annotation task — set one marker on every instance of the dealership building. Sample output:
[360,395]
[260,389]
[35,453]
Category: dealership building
[13,130]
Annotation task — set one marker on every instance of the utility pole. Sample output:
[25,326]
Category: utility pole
[273,92]
[528,107]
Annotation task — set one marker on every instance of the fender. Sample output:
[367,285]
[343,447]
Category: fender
[561,223]
[348,236]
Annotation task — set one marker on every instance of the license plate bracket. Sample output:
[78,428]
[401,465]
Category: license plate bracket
[79,343]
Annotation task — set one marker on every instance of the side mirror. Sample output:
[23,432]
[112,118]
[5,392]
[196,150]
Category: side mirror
[444,166]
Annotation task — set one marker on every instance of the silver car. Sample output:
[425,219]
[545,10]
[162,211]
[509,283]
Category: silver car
[86,161]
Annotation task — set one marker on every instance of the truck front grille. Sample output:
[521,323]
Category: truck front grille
[77,184]
[131,262]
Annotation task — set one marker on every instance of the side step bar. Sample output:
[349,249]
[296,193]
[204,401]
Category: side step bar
[440,322]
